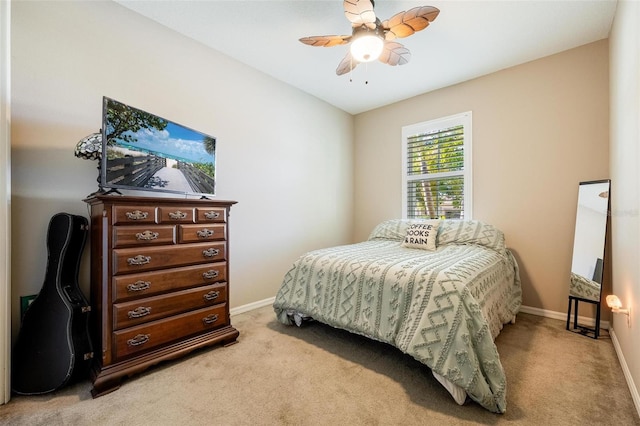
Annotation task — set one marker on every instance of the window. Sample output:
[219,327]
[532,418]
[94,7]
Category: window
[437,168]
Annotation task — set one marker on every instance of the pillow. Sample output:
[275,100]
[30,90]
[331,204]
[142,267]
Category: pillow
[471,232]
[422,235]
[392,229]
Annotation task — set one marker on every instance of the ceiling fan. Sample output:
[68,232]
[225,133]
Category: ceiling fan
[371,39]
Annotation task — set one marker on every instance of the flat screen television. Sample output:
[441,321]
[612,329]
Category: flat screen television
[142,151]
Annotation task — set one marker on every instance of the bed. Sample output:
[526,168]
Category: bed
[439,291]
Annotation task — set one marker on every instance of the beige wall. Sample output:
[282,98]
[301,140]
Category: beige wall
[538,130]
[285,156]
[625,182]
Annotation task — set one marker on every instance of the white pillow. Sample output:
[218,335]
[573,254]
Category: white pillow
[422,235]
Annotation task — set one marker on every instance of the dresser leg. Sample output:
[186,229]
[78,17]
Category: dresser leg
[105,387]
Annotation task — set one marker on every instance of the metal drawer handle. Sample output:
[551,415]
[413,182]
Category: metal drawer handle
[139,286]
[137,215]
[212,215]
[210,274]
[139,260]
[212,295]
[204,233]
[210,252]
[139,312]
[139,339]
[210,319]
[177,215]
[147,235]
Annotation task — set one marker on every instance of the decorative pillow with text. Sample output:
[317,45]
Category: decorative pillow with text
[422,235]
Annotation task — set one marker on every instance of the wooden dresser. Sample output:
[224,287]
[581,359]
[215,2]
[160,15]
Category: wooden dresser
[159,282]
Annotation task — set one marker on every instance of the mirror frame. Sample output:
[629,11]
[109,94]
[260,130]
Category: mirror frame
[589,244]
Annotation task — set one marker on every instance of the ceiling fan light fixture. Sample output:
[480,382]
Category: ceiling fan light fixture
[367,47]
[372,39]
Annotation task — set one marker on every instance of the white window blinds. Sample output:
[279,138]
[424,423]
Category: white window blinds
[437,168]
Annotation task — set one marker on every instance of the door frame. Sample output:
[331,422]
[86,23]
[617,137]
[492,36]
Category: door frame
[5,201]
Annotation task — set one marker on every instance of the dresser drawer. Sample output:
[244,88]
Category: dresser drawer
[211,214]
[170,214]
[151,335]
[146,284]
[152,308]
[139,259]
[124,236]
[195,233]
[134,214]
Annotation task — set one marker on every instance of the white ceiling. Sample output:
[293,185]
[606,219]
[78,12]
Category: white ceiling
[467,40]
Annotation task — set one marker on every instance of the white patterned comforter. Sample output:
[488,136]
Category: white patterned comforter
[444,307]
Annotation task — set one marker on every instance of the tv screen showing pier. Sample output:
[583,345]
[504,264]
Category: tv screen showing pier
[142,151]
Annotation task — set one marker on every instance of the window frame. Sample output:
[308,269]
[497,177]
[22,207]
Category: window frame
[464,119]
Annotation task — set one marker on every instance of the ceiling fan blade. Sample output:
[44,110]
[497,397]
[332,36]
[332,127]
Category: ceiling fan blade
[326,41]
[404,24]
[360,12]
[394,54]
[347,64]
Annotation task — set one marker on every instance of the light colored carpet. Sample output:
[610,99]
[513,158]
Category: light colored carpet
[316,375]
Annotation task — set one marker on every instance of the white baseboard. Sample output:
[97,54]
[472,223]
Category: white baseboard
[524,309]
[625,369]
[543,312]
[251,306]
[589,322]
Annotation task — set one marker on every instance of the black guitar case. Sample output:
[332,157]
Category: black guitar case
[53,347]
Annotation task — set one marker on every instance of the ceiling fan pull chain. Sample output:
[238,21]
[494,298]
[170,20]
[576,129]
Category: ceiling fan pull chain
[366,73]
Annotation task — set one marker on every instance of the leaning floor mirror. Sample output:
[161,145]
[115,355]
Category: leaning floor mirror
[587,263]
